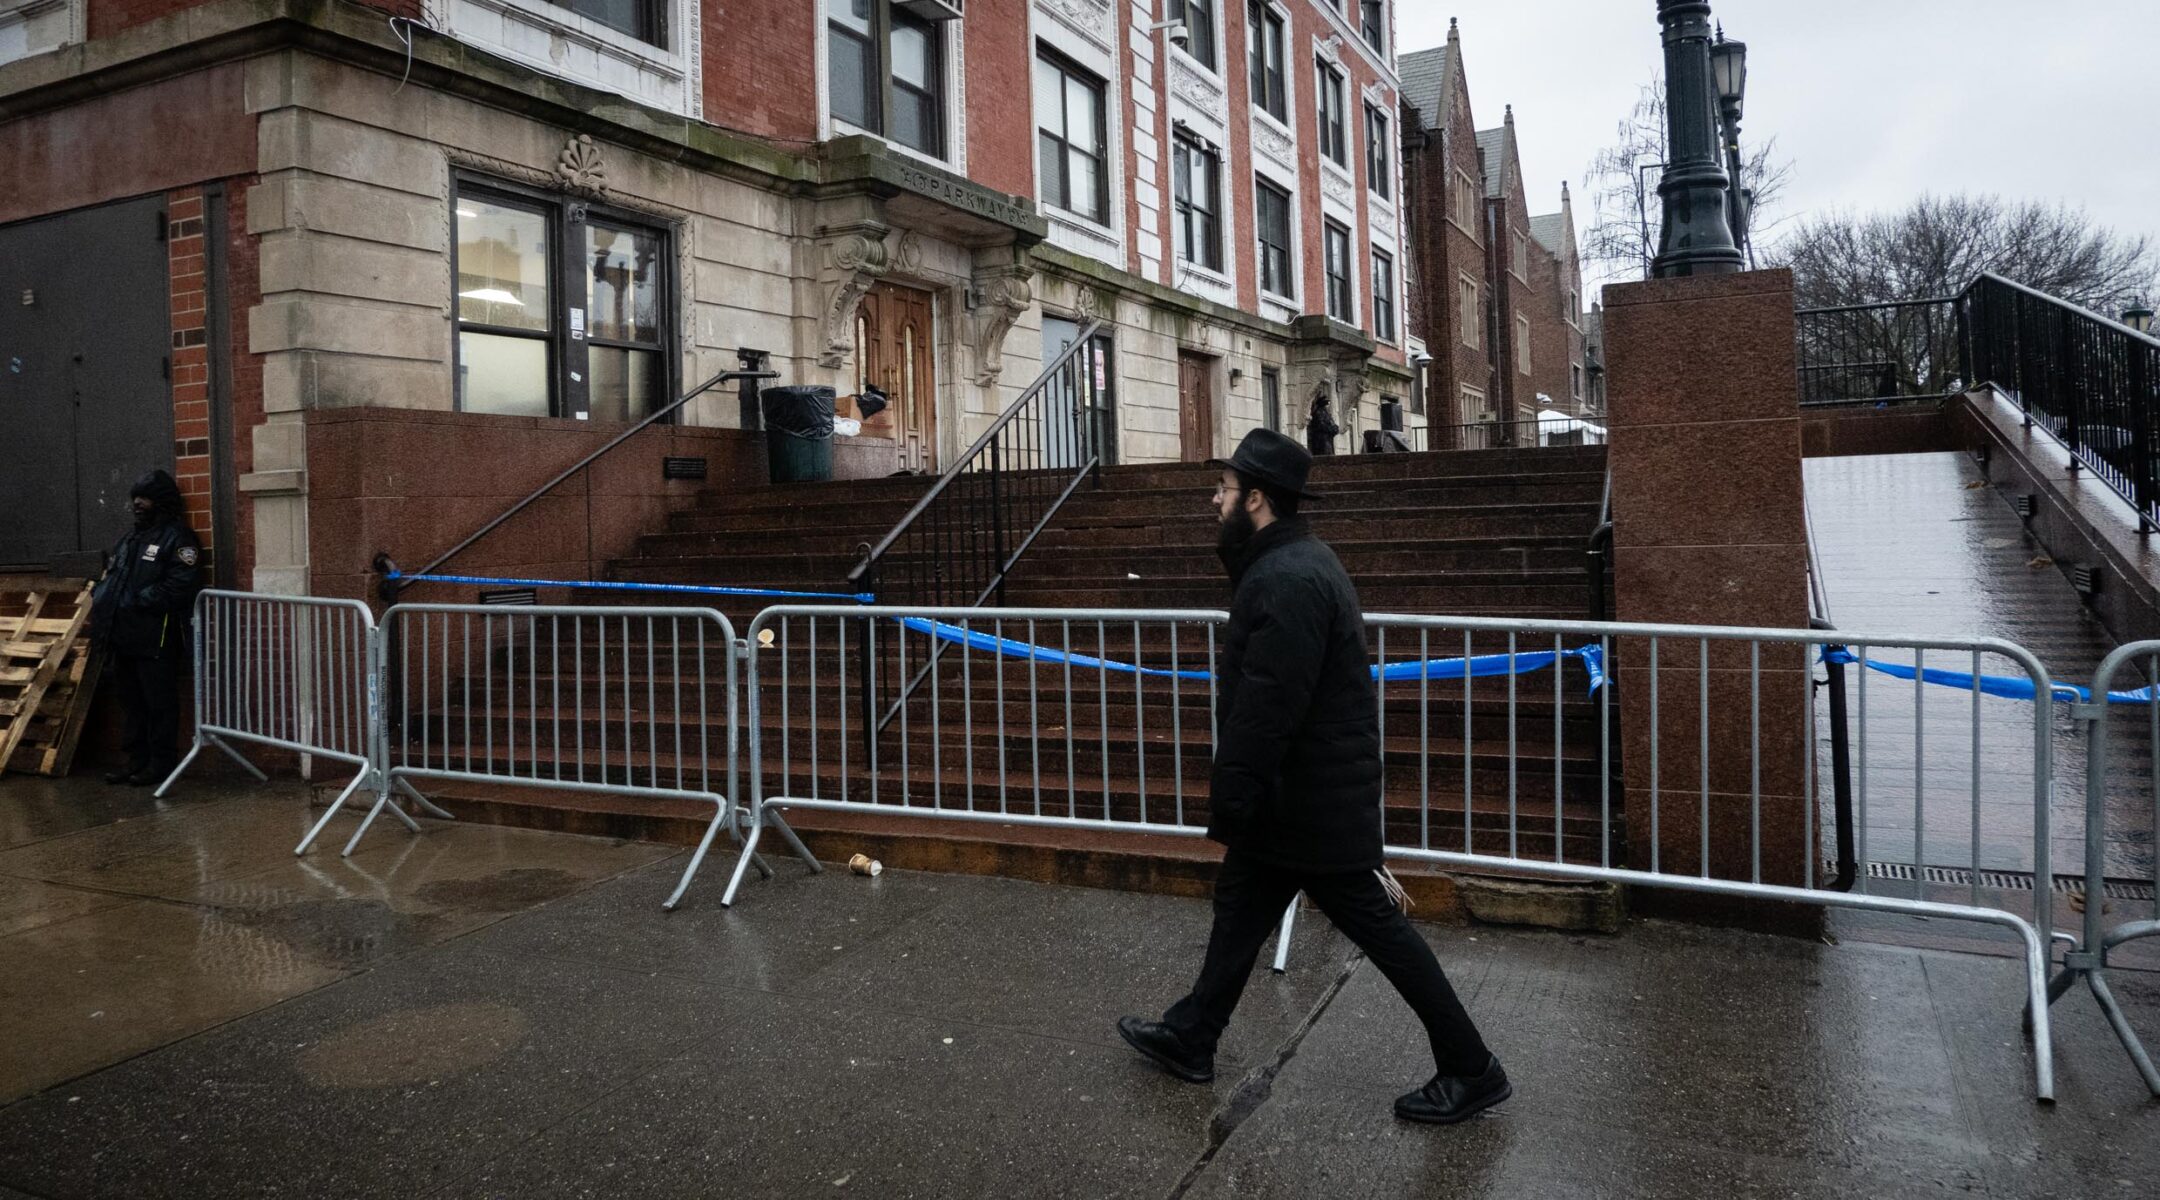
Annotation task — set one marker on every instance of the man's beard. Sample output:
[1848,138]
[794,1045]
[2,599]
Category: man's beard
[145,517]
[1232,534]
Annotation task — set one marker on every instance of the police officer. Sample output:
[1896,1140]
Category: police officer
[1295,792]
[139,613]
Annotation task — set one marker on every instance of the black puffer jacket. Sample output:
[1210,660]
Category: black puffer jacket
[143,605]
[1297,761]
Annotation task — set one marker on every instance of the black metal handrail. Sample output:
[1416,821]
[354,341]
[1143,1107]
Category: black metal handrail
[1841,777]
[1527,433]
[1902,350]
[2092,382]
[394,581]
[1599,550]
[958,543]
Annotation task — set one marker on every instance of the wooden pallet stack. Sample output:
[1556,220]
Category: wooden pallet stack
[47,672]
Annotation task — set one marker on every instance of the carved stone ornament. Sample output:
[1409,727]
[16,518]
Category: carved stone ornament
[860,260]
[1087,306]
[1004,297]
[907,255]
[1336,188]
[580,168]
[1200,90]
[1269,141]
[1089,17]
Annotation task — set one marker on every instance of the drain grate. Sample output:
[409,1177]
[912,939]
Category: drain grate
[2001,881]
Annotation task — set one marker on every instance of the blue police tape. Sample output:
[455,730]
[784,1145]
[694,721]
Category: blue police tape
[2009,687]
[1592,658]
[694,589]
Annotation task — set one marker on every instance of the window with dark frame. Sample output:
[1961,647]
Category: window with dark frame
[1271,398]
[1372,22]
[1333,145]
[1378,175]
[562,307]
[645,20]
[1199,18]
[1271,213]
[1264,50]
[1336,240]
[1196,179]
[1073,150]
[1383,295]
[887,69]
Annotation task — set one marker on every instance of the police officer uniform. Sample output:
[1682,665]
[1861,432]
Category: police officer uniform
[140,614]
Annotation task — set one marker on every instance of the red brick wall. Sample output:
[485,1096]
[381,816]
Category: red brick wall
[1510,214]
[1000,66]
[1445,252]
[1240,232]
[184,245]
[765,83]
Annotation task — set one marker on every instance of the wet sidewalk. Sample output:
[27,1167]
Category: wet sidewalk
[191,1011]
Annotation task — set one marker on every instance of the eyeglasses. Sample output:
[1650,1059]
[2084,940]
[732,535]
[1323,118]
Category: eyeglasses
[1221,491]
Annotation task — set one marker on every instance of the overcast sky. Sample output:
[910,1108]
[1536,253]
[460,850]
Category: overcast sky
[1875,101]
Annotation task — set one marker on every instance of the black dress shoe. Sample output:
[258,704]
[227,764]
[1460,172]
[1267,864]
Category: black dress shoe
[1161,1043]
[1446,1099]
[150,776]
[124,774]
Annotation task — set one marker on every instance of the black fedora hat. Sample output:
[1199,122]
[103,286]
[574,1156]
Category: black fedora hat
[1275,460]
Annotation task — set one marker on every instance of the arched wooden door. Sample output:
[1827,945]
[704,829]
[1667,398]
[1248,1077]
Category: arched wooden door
[894,340]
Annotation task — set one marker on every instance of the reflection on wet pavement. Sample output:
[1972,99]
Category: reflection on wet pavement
[127,923]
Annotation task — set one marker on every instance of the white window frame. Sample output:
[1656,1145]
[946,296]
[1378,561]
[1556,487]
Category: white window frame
[1290,234]
[1219,37]
[1050,25]
[1470,316]
[531,32]
[952,54]
[1321,66]
[1522,344]
[1374,253]
[1518,253]
[1350,271]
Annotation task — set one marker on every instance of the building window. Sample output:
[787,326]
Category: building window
[1337,248]
[1466,305]
[1474,411]
[1075,152]
[1271,398]
[1264,49]
[1522,343]
[1271,213]
[1372,22]
[644,20]
[1196,177]
[1466,203]
[1417,386]
[596,346]
[1199,18]
[888,72]
[1333,142]
[1383,296]
[1377,173]
[1573,311]
[1522,254]
[1574,372]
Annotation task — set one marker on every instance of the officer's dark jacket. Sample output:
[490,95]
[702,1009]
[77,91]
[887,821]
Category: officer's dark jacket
[143,605]
[1297,761]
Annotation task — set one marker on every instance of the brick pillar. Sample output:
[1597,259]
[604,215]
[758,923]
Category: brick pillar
[1709,530]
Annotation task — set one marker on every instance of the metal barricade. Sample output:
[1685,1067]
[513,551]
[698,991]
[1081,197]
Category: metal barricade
[1082,718]
[1527,774]
[2088,959]
[625,701]
[292,672]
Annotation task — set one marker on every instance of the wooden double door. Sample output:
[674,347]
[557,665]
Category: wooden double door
[1196,406]
[894,349]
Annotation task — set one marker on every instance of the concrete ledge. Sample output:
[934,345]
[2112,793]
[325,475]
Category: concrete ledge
[1919,427]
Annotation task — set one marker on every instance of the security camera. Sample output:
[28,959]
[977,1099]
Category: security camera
[1180,36]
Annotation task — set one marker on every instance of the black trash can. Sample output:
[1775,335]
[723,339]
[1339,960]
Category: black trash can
[798,433]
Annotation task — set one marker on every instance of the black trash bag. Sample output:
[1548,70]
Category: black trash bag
[872,402]
[805,411]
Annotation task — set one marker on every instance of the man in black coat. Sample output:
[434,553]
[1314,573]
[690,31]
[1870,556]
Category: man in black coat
[140,613]
[1295,792]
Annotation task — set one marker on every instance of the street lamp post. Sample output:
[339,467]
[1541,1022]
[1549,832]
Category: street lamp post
[1698,237]
[1728,67]
[2139,315]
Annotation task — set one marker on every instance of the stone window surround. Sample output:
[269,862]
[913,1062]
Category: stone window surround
[1347,33]
[1465,187]
[1522,344]
[682,60]
[1052,27]
[1296,246]
[1284,125]
[1221,44]
[17,14]
[1464,312]
[1350,270]
[954,59]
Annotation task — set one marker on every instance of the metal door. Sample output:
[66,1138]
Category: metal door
[84,395]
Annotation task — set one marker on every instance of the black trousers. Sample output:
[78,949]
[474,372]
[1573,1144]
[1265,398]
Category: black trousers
[1250,897]
[149,687]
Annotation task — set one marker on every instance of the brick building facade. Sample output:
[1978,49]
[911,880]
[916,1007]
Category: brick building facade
[392,205]
[1499,295]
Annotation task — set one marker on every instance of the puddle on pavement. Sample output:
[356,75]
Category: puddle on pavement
[345,934]
[414,1046]
[505,891]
